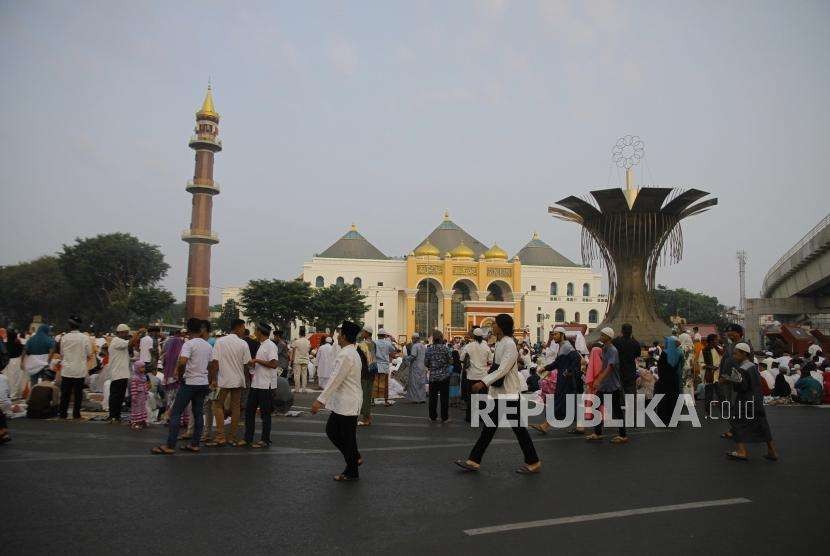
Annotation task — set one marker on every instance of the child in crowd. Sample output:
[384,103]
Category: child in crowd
[138,396]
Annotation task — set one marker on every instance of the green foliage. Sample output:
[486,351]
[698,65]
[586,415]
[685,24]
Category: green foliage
[32,288]
[105,270]
[174,314]
[230,312]
[332,305]
[149,303]
[277,302]
[694,307]
[106,279]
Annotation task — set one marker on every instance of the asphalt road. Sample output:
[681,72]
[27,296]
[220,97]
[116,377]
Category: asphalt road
[93,488]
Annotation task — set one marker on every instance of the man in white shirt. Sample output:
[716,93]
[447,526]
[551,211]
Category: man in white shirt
[193,386]
[259,396]
[325,361]
[476,357]
[343,396]
[148,349]
[231,359]
[300,348]
[74,350]
[118,350]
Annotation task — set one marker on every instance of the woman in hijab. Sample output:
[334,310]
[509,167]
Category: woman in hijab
[170,359]
[669,367]
[36,354]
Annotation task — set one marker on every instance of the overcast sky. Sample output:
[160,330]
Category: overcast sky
[386,113]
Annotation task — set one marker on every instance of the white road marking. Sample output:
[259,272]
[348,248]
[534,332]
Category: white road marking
[604,515]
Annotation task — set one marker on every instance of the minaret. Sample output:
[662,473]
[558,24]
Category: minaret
[199,236]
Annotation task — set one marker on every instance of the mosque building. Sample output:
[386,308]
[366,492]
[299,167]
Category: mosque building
[453,282]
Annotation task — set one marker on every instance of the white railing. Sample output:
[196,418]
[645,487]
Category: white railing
[193,233]
[823,223]
[205,139]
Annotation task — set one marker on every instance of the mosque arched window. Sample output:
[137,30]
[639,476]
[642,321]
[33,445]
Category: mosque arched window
[341,281]
[319,282]
[569,291]
[554,288]
[559,316]
[593,316]
[586,290]
[358,283]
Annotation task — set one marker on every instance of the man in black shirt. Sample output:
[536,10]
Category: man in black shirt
[629,351]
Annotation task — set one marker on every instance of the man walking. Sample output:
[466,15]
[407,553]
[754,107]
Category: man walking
[119,370]
[725,390]
[259,396]
[628,349]
[230,361]
[300,348]
[193,380]
[74,350]
[609,382]
[343,396]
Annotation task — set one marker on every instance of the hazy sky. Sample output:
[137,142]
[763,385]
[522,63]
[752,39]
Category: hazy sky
[386,113]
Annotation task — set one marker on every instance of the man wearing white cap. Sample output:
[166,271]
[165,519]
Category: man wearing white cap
[119,370]
[325,359]
[415,388]
[476,358]
[566,364]
[749,422]
[609,382]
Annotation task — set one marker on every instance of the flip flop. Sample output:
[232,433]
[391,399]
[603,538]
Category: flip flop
[735,456]
[771,458]
[239,444]
[260,444]
[345,478]
[162,451]
[593,438]
[526,470]
[189,448]
[619,440]
[539,428]
[215,444]
[466,466]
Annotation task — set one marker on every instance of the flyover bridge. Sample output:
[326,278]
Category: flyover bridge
[798,283]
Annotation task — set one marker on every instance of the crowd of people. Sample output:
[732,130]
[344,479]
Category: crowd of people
[203,385]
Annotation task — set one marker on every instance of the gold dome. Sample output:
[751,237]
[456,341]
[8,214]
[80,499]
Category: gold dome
[207,106]
[496,252]
[427,250]
[462,252]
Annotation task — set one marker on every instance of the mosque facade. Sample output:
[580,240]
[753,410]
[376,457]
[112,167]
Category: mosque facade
[453,282]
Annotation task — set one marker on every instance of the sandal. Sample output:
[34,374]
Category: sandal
[215,443]
[163,450]
[539,428]
[189,448]
[527,470]
[260,444]
[239,444]
[466,466]
[593,437]
[345,478]
[619,440]
[736,456]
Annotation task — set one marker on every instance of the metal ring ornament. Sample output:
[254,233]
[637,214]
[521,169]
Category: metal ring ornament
[628,151]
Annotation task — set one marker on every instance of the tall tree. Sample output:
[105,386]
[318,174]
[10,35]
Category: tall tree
[230,312]
[277,302]
[32,288]
[149,303]
[332,305]
[105,269]
[694,307]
